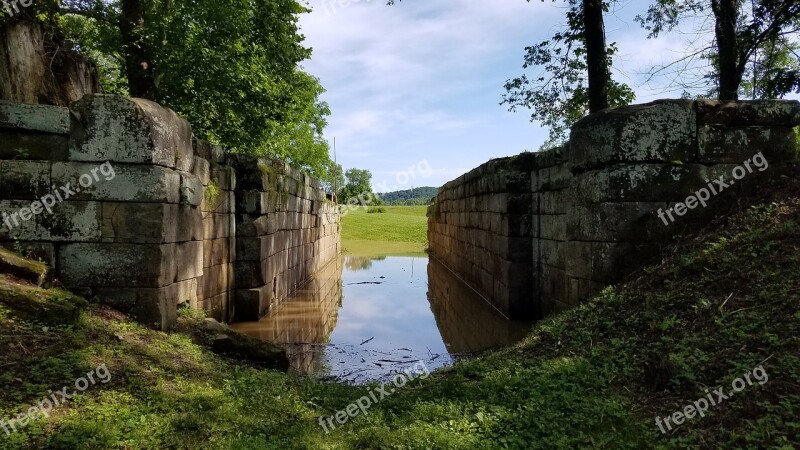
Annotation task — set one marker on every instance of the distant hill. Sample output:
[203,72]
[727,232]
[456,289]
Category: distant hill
[416,196]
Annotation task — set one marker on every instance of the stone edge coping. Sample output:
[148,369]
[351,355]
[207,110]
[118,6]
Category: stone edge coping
[41,118]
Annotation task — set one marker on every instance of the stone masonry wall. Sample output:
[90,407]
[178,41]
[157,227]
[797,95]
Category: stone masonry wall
[287,230]
[597,204]
[161,232]
[480,227]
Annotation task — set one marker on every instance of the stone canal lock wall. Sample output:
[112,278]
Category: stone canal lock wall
[541,232]
[126,206]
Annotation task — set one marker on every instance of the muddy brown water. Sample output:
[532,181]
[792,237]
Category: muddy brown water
[363,319]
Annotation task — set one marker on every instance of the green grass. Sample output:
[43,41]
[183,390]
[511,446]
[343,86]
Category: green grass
[397,224]
[383,248]
[724,302]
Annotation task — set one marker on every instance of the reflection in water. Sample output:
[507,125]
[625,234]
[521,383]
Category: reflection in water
[379,316]
[468,323]
[304,322]
[361,262]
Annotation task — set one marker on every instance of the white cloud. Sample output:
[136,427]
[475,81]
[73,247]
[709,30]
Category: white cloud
[423,79]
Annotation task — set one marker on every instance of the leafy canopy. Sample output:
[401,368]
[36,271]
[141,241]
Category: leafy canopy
[558,94]
[231,68]
[767,44]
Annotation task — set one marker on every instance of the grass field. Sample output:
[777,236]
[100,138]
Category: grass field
[399,230]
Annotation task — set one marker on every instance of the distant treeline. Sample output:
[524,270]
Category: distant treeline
[416,196]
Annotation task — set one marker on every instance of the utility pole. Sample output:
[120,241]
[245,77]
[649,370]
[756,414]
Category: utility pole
[336,167]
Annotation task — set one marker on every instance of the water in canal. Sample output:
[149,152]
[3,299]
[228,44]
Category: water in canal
[367,318]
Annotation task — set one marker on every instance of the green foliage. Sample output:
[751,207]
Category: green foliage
[357,188]
[410,197]
[767,43]
[558,95]
[211,194]
[376,209]
[230,68]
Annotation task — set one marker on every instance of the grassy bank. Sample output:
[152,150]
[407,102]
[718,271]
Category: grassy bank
[397,231]
[727,301]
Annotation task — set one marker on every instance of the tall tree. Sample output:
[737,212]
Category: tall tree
[759,36]
[231,68]
[596,59]
[358,188]
[726,13]
[138,59]
[575,73]
[578,73]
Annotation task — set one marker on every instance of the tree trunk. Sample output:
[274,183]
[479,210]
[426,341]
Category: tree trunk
[596,57]
[35,68]
[138,64]
[726,13]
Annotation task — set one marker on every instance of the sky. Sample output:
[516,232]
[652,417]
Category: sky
[415,88]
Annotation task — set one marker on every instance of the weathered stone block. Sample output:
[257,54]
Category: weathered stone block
[156,307]
[249,275]
[638,182]
[780,113]
[133,183]
[201,149]
[553,178]
[44,118]
[252,226]
[553,284]
[202,170]
[515,225]
[253,304]
[553,227]
[721,144]
[72,222]
[217,279]
[255,248]
[117,265]
[30,145]
[222,175]
[16,228]
[24,179]
[188,260]
[189,225]
[616,222]
[659,131]
[552,252]
[128,130]
[553,202]
[581,290]
[217,251]
[252,202]
[578,259]
[191,190]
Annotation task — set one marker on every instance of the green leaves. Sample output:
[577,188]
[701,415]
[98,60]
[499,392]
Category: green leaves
[558,95]
[230,68]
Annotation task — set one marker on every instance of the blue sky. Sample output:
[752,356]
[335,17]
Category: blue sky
[418,85]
